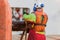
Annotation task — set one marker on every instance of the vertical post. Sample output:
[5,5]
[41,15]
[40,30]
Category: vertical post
[5,21]
[26,31]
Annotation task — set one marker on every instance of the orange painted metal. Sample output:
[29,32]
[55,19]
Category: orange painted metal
[5,21]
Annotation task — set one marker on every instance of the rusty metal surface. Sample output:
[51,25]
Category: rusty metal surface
[5,20]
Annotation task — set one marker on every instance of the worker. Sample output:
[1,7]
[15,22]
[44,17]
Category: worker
[16,14]
[26,14]
[29,18]
[38,31]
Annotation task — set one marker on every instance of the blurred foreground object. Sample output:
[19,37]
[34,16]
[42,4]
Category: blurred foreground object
[5,21]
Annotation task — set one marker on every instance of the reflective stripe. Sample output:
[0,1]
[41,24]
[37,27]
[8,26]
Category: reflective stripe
[40,32]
